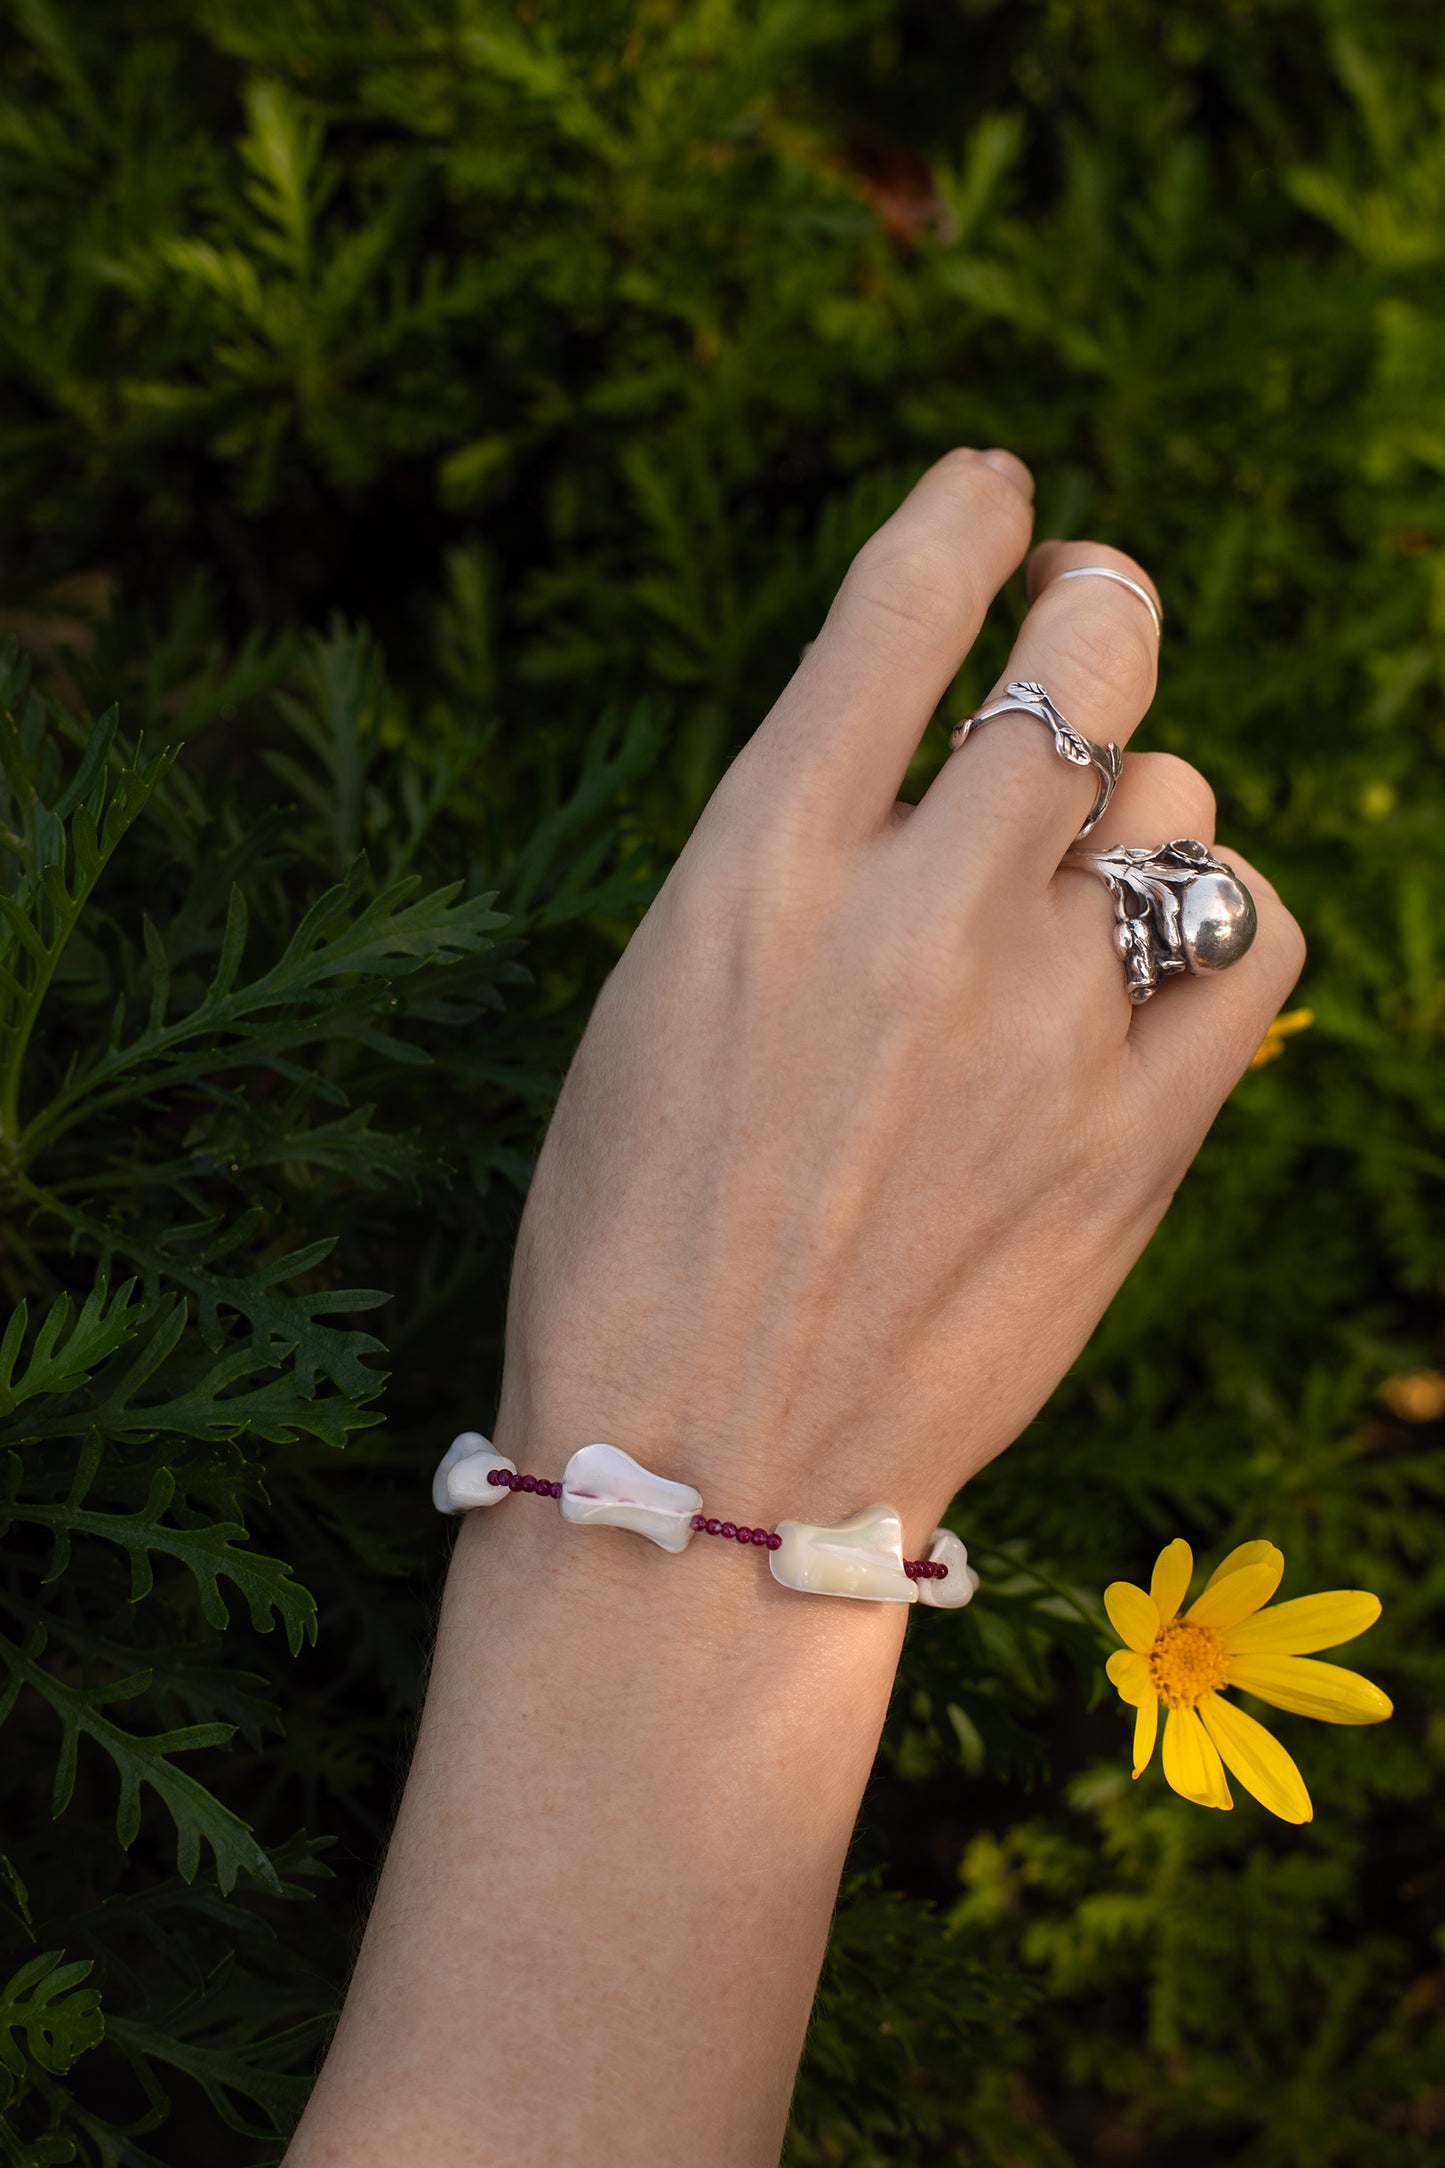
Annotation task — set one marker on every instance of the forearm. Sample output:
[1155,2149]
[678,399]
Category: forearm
[607,1898]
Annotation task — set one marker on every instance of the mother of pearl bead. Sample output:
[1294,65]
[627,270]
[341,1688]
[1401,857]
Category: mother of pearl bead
[862,1556]
[460,1482]
[603,1487]
[952,1593]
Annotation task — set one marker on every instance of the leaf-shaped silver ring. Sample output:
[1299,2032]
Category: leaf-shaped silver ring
[1024,697]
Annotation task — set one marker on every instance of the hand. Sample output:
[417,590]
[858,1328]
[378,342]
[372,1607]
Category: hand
[860,1140]
[864,1134]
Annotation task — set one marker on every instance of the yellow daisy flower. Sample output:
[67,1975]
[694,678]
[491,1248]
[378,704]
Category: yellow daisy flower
[1228,1638]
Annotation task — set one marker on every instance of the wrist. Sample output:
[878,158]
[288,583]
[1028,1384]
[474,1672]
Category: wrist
[605,1492]
[593,1604]
[750,1466]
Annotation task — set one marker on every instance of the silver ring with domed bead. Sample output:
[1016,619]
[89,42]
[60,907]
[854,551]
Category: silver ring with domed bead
[1177,908]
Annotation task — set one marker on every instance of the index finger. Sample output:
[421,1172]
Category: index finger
[845,729]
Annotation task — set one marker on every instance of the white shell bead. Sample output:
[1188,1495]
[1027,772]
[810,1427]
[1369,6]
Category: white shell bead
[460,1482]
[862,1556]
[603,1487]
[945,1549]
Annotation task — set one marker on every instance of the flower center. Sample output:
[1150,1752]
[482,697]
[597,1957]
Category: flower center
[1186,1663]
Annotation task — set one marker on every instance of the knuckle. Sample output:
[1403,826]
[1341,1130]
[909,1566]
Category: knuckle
[1111,658]
[1180,790]
[917,586]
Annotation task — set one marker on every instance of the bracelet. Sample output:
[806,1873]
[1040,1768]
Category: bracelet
[603,1487]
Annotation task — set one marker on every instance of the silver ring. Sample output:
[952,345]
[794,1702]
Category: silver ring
[1177,908]
[1025,698]
[1120,579]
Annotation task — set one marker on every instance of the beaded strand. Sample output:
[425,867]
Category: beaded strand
[541,1486]
[736,1532]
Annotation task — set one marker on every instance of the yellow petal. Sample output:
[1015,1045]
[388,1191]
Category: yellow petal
[1129,1672]
[1306,1623]
[1133,1615]
[1219,1792]
[1326,1691]
[1256,1757]
[1191,1763]
[1238,1596]
[1146,1724]
[1418,1396]
[1170,1585]
[1257,1553]
[1284,1027]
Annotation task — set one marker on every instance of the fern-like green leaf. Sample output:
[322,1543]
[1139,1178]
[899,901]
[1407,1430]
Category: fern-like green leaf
[69,1346]
[282,1325]
[63,852]
[168,1388]
[209,1552]
[139,1761]
[47,2016]
[243,2070]
[338,966]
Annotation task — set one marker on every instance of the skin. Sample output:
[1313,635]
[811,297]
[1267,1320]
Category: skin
[860,1141]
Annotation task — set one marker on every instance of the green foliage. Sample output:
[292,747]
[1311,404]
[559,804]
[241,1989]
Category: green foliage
[46,2017]
[439,429]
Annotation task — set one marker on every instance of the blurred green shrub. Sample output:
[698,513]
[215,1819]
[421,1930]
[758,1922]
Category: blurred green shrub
[439,427]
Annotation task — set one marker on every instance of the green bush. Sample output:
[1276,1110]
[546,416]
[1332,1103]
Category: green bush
[439,427]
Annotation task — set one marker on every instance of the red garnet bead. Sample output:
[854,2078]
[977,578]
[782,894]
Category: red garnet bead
[743,1535]
[714,1528]
[760,1535]
[775,1543]
[728,1528]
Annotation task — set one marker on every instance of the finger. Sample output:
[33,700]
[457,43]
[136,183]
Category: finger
[1194,1040]
[1051,557]
[838,743]
[1006,794]
[1158,799]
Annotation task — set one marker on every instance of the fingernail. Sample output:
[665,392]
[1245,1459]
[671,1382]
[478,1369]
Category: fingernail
[1012,467]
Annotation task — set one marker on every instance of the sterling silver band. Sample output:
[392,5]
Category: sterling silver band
[1177,908]
[1120,579]
[1023,697]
